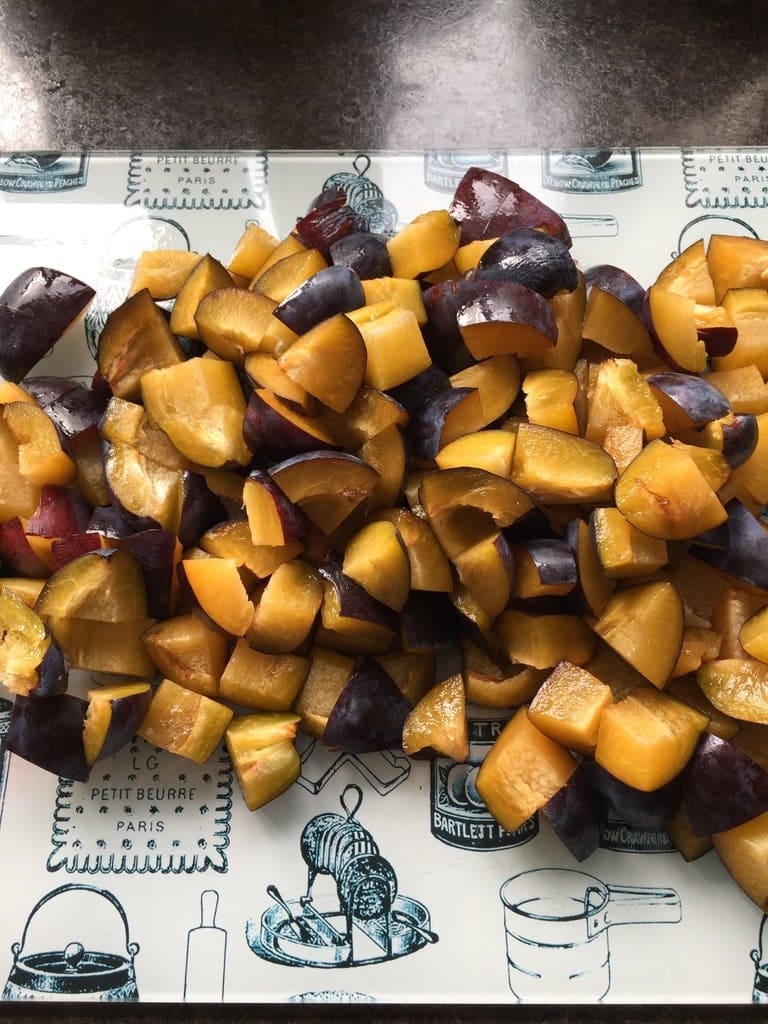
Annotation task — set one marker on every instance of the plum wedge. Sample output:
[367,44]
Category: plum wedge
[36,309]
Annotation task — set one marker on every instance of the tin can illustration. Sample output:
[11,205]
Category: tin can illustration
[458,816]
[32,173]
[591,171]
[619,836]
[52,962]
[444,168]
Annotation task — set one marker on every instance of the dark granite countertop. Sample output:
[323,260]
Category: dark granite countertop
[118,74]
[454,73]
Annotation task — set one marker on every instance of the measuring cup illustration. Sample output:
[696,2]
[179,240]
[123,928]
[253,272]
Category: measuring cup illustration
[556,922]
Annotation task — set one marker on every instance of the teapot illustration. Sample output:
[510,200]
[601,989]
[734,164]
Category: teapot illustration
[74,970]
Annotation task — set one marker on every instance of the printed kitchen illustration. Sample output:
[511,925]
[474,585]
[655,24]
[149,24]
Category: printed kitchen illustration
[444,678]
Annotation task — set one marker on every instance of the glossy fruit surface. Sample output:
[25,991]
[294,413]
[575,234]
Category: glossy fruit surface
[356,483]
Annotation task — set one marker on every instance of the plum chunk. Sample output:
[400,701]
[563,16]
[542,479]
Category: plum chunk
[330,291]
[487,204]
[369,714]
[437,725]
[49,733]
[113,716]
[36,309]
[522,771]
[724,787]
[364,252]
[263,754]
[539,261]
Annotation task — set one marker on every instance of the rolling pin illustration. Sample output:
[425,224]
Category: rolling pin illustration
[206,954]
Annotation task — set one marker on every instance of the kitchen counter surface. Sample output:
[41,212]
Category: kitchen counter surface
[403,74]
[362,75]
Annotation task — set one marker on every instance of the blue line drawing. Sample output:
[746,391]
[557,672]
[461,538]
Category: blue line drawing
[556,922]
[197,181]
[205,964]
[711,224]
[444,168]
[617,835]
[35,173]
[71,969]
[725,179]
[364,196]
[119,264]
[592,225]
[759,958]
[6,706]
[383,770]
[366,920]
[331,996]
[591,171]
[144,812]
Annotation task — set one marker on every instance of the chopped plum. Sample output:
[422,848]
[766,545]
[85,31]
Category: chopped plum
[333,290]
[364,252]
[723,787]
[574,814]
[49,733]
[540,261]
[36,309]
[369,714]
[486,205]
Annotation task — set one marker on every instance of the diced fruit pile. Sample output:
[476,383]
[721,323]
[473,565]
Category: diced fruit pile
[349,484]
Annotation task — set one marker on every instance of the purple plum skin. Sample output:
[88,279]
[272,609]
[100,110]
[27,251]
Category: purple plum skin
[640,809]
[539,261]
[71,406]
[369,714]
[363,252]
[271,436]
[426,429]
[36,308]
[723,787]
[509,302]
[487,204]
[155,551]
[740,438]
[354,602]
[60,512]
[330,291]
[48,731]
[744,554]
[442,302]
[16,553]
[327,223]
[621,286]
[292,520]
[553,558]
[700,401]
[127,715]
[574,814]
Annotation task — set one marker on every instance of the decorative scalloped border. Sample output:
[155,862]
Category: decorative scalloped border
[140,194]
[143,864]
[696,191]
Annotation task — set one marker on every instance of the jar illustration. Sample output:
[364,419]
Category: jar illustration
[557,923]
[458,816]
